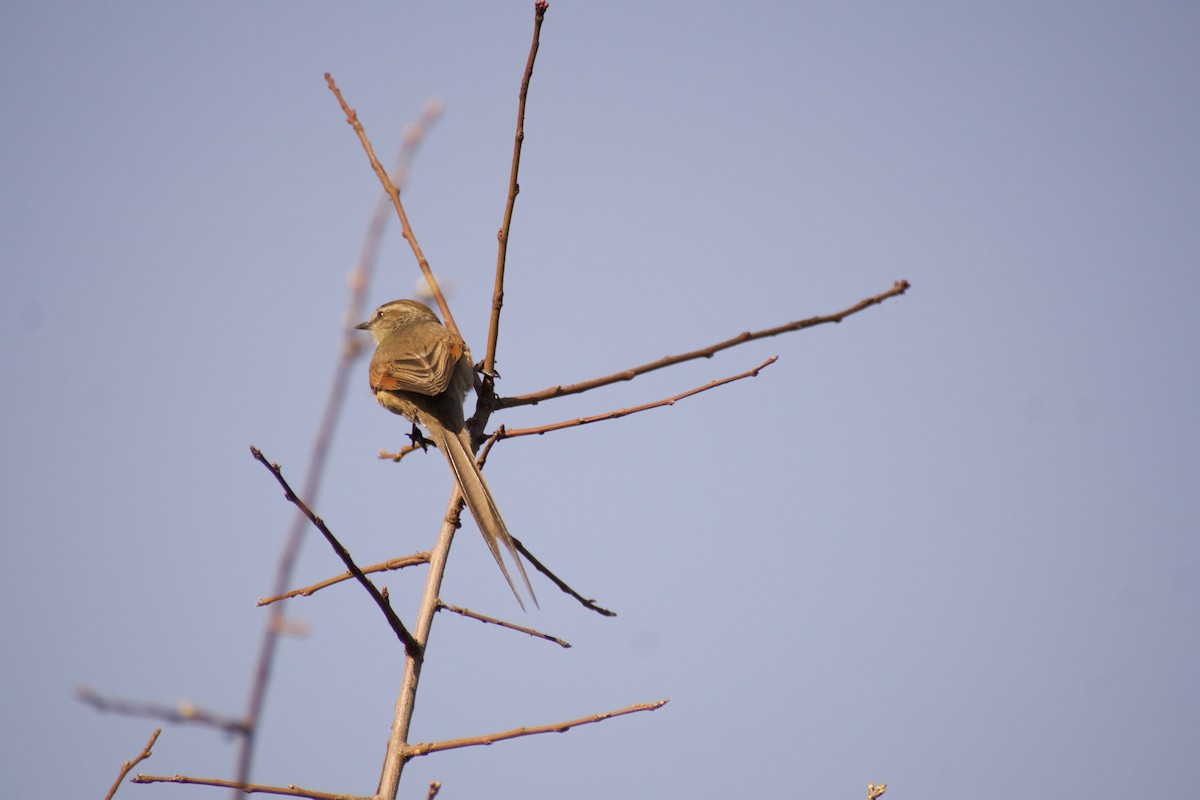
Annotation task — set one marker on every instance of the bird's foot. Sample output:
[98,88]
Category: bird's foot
[418,439]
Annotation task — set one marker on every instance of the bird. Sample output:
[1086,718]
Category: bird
[422,371]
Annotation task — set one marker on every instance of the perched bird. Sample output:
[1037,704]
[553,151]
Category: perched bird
[423,371]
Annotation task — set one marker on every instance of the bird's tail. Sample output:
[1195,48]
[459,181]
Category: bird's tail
[481,504]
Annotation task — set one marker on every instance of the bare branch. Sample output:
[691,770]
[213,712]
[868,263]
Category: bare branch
[624,412]
[489,359]
[384,566]
[898,288]
[493,621]
[183,713]
[434,788]
[248,788]
[413,649]
[394,194]
[503,433]
[131,764]
[874,792]
[395,757]
[558,727]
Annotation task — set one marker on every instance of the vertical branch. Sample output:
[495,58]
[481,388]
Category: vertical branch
[360,279]
[489,360]
[398,753]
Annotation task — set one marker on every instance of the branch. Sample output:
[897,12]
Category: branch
[394,194]
[514,188]
[247,788]
[624,412]
[413,649]
[185,712]
[898,288]
[395,757]
[131,764]
[558,727]
[493,621]
[383,566]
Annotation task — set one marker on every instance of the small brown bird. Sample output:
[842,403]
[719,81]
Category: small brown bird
[423,371]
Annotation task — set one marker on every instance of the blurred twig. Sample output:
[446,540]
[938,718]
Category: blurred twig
[183,713]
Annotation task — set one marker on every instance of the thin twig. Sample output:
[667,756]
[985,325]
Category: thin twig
[183,713]
[131,764]
[466,612]
[248,788]
[402,452]
[410,644]
[352,341]
[383,566]
[557,727]
[624,412]
[434,788]
[898,288]
[874,792]
[394,194]
[514,188]
[560,583]
[496,436]
[503,433]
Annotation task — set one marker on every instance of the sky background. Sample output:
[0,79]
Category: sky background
[950,544]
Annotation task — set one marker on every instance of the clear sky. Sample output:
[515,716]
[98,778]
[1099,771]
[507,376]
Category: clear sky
[950,544]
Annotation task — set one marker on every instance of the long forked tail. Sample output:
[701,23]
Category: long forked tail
[481,504]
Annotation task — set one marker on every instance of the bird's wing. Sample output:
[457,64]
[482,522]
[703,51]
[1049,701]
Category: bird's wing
[416,361]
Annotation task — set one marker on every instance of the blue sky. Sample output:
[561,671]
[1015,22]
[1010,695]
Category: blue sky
[949,544]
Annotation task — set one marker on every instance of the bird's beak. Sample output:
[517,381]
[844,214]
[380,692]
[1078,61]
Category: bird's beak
[364,326]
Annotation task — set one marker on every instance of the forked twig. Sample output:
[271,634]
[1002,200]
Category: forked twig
[466,612]
[624,412]
[557,727]
[898,288]
[411,646]
[131,764]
